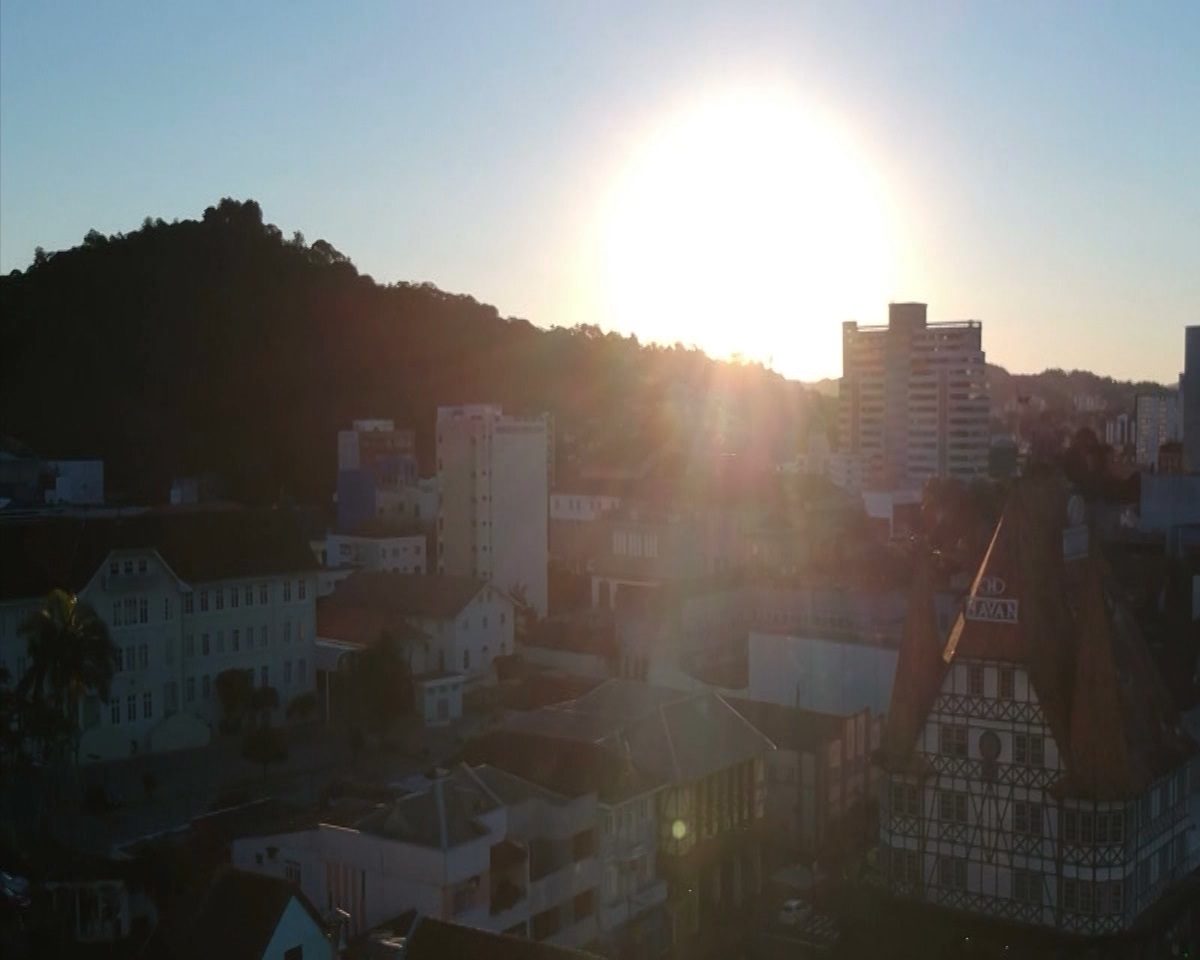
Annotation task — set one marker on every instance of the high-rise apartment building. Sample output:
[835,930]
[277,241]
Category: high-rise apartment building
[913,399]
[493,516]
[1157,423]
[1189,385]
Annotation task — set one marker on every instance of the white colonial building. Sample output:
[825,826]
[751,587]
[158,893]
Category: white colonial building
[1036,768]
[186,596]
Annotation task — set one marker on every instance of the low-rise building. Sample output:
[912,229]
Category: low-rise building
[186,595]
[378,548]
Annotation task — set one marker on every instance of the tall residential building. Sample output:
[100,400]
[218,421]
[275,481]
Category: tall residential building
[493,513]
[1157,423]
[1189,385]
[913,398]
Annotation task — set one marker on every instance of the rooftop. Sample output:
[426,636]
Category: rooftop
[1062,620]
[438,597]
[42,554]
[425,938]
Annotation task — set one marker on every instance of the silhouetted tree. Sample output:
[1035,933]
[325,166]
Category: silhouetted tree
[235,690]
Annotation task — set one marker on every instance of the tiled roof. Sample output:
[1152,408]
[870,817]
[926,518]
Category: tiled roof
[669,734]
[567,767]
[235,920]
[41,554]
[1091,671]
[361,624]
[441,813]
[438,597]
[790,728]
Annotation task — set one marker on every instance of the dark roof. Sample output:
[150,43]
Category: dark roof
[429,939]
[362,624]
[570,769]
[790,728]
[1106,705]
[439,596]
[441,811]
[235,920]
[673,735]
[38,555]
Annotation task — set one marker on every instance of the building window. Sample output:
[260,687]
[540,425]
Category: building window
[1027,887]
[204,601]
[503,618]
[953,740]
[952,873]
[952,806]
[235,639]
[128,567]
[114,710]
[234,596]
[219,595]
[906,867]
[906,800]
[190,689]
[301,589]
[131,707]
[1007,683]
[262,635]
[287,591]
[262,594]
[144,656]
[1029,749]
[291,872]
[131,606]
[204,644]
[1027,818]
[147,705]
[466,659]
[116,616]
[249,596]
[189,602]
[120,665]
[142,566]
[975,680]
[113,568]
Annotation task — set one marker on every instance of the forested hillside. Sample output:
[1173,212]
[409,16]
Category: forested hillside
[217,345]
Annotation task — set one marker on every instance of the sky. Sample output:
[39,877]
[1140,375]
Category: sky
[743,177]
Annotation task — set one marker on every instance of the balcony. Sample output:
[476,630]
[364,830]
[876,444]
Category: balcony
[562,884]
[624,907]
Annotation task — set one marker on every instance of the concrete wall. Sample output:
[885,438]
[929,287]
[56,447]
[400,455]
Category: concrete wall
[825,675]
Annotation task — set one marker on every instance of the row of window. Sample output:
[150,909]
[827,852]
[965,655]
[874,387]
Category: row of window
[215,597]
[1029,749]
[238,639]
[1027,885]
[131,708]
[134,610]
[1005,682]
[1086,826]
[116,567]
[204,687]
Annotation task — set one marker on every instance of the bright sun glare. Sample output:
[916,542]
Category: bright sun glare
[747,224]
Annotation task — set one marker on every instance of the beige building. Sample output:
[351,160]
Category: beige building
[493,513]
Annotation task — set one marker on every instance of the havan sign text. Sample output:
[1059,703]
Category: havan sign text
[989,605]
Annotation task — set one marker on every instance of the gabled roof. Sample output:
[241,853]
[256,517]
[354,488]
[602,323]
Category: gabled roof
[234,920]
[669,734]
[1061,620]
[361,624]
[439,596]
[38,555]
[564,766]
[439,810]
[790,728]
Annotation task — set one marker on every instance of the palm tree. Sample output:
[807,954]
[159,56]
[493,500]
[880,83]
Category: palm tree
[70,654]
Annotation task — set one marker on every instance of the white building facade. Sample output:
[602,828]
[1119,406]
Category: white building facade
[1159,421]
[175,635]
[493,513]
[913,399]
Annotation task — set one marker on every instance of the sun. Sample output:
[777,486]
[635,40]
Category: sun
[748,224]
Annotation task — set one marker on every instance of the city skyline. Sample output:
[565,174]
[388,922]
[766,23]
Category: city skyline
[646,170]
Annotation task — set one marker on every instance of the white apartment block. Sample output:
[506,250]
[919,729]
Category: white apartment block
[913,399]
[1159,421]
[581,506]
[395,554]
[185,598]
[493,514]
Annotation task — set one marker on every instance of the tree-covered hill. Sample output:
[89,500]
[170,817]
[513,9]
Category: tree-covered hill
[217,345]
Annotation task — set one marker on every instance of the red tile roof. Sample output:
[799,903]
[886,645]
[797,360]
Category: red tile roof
[1106,705]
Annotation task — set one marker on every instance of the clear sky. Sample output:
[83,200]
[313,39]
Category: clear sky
[740,176]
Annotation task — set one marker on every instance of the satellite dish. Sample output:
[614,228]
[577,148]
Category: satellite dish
[1075,510]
